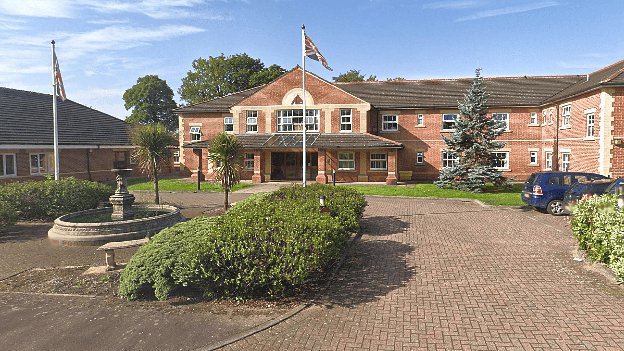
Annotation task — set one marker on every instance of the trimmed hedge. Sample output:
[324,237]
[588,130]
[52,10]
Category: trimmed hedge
[598,225]
[8,215]
[48,199]
[264,246]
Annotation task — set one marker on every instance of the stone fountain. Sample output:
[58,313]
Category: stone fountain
[124,221]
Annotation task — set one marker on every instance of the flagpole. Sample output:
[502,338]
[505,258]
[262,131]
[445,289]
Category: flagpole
[54,89]
[303,54]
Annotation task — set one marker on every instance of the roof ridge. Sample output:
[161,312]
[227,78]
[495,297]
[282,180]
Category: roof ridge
[382,138]
[220,97]
[456,79]
[607,67]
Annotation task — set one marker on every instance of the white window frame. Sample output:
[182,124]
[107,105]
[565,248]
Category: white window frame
[195,133]
[449,118]
[590,126]
[449,159]
[346,161]
[505,160]
[176,157]
[566,116]
[378,163]
[390,123]
[565,164]
[346,120]
[228,124]
[252,121]
[533,119]
[3,160]
[533,158]
[249,161]
[41,169]
[292,120]
[420,120]
[502,116]
[420,157]
[548,160]
[544,119]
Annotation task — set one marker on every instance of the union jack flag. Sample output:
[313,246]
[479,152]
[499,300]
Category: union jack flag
[58,80]
[313,52]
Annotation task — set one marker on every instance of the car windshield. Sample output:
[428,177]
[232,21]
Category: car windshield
[611,189]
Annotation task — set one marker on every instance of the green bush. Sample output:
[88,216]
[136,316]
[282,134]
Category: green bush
[598,225]
[49,199]
[8,215]
[264,246]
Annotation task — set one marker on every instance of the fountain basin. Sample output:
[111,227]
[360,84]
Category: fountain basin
[72,230]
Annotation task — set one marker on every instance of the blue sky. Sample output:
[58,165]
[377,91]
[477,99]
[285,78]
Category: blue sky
[105,45]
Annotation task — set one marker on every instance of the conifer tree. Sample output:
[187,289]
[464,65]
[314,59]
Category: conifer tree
[473,142]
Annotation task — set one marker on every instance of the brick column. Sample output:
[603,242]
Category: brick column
[258,176]
[200,165]
[391,179]
[321,178]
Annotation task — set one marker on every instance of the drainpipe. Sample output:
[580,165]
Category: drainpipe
[556,149]
[88,152]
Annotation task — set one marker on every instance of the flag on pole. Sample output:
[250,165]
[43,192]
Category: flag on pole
[58,80]
[313,52]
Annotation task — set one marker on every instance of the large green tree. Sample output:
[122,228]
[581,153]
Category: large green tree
[153,150]
[225,153]
[151,101]
[473,142]
[353,75]
[221,75]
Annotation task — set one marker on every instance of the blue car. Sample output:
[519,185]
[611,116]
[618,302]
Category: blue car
[545,190]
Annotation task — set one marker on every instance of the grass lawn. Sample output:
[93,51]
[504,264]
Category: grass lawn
[179,185]
[491,195]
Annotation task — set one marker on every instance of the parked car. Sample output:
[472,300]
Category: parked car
[612,189]
[584,190]
[545,190]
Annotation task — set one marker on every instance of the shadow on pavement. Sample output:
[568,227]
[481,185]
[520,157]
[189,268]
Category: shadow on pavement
[25,232]
[383,225]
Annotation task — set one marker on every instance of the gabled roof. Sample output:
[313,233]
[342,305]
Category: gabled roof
[610,75]
[294,140]
[26,119]
[220,104]
[446,93]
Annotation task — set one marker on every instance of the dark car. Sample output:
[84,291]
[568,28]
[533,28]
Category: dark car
[545,190]
[584,190]
[612,189]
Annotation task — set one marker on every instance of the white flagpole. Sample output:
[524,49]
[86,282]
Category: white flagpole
[54,89]
[304,103]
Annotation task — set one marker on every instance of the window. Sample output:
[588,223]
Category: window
[390,123]
[449,159]
[346,161]
[565,161]
[378,162]
[292,120]
[551,118]
[176,157]
[548,155]
[533,119]
[503,119]
[420,120]
[345,120]
[252,121]
[420,157]
[228,124]
[565,116]
[39,164]
[448,120]
[7,165]
[195,133]
[590,125]
[544,119]
[500,160]
[533,157]
[249,161]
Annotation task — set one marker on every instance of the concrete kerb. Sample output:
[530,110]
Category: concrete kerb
[291,313]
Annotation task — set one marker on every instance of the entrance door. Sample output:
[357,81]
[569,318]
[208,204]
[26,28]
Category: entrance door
[289,165]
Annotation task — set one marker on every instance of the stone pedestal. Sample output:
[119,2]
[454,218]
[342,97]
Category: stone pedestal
[122,200]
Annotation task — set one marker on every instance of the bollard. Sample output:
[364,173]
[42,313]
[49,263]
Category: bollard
[322,208]
[620,192]
[333,177]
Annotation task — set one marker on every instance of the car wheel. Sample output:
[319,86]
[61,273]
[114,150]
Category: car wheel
[555,207]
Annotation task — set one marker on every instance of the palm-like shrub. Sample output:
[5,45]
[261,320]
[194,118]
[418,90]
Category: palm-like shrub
[225,153]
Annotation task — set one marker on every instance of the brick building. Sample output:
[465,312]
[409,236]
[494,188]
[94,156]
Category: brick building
[91,143]
[389,130]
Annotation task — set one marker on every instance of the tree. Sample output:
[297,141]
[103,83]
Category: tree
[218,76]
[353,75]
[152,152]
[151,101]
[473,143]
[225,152]
[395,79]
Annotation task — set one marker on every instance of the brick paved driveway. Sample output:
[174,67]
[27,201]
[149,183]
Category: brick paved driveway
[439,274]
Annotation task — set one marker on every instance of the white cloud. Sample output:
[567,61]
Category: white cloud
[157,9]
[37,8]
[508,10]
[453,5]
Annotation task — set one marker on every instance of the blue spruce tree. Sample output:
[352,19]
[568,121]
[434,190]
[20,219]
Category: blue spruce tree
[472,143]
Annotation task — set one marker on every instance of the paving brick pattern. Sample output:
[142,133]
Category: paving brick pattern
[440,275]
